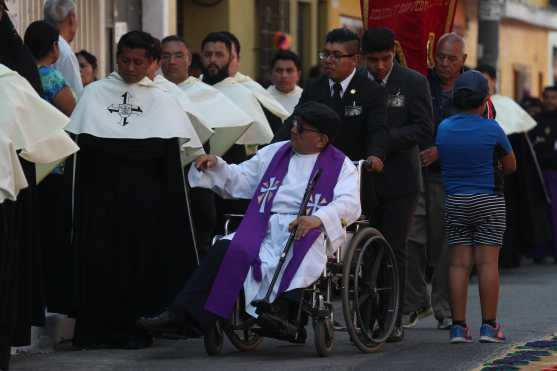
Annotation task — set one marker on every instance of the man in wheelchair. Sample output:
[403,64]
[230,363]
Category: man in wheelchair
[275,180]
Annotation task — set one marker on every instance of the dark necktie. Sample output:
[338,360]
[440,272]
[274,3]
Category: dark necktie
[379,81]
[337,89]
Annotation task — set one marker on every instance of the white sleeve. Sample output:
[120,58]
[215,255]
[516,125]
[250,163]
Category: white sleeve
[69,68]
[234,181]
[345,208]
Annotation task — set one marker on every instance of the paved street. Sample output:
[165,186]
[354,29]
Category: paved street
[528,310]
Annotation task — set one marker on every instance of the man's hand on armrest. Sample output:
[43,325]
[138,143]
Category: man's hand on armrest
[375,164]
[205,162]
[303,225]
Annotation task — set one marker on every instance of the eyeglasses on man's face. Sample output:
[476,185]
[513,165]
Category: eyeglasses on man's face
[323,55]
[300,128]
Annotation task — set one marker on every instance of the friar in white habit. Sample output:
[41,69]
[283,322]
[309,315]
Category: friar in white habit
[131,232]
[273,109]
[207,107]
[275,180]
[33,127]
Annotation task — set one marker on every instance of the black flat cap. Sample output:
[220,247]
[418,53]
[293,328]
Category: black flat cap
[320,116]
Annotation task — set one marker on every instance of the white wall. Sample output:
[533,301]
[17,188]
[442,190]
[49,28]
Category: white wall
[159,17]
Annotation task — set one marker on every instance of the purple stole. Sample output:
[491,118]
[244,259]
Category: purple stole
[243,251]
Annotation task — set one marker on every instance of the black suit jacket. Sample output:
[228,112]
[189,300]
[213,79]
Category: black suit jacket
[410,122]
[362,111]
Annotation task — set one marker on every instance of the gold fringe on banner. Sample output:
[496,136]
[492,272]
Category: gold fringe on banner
[431,50]
[400,54]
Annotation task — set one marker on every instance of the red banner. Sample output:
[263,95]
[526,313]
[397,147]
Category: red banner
[417,24]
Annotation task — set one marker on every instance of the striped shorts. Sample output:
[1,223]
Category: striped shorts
[475,220]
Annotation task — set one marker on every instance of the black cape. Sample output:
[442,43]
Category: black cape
[8,274]
[132,235]
[54,194]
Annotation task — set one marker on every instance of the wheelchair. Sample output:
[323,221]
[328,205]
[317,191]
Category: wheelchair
[363,273]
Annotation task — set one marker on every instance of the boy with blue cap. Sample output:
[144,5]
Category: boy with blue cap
[475,154]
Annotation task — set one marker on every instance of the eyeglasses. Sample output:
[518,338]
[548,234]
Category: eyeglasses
[336,57]
[301,128]
[169,56]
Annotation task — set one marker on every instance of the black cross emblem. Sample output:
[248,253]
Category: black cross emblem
[125,109]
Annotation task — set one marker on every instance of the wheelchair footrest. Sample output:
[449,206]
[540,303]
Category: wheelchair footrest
[278,328]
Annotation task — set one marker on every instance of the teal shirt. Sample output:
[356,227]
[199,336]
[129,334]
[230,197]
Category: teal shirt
[52,81]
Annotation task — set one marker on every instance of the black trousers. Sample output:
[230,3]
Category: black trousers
[188,306]
[392,216]
[189,303]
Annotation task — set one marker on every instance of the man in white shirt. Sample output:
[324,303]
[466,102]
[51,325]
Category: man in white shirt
[62,14]
[285,75]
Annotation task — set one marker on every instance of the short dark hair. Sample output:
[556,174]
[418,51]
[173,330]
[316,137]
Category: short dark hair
[488,70]
[234,40]
[343,35]
[174,38]
[378,40]
[552,88]
[40,37]
[137,40]
[465,99]
[215,37]
[90,58]
[286,55]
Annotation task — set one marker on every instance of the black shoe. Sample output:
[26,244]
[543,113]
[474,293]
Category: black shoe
[397,335]
[162,325]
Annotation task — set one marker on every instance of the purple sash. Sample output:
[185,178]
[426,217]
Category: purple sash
[243,251]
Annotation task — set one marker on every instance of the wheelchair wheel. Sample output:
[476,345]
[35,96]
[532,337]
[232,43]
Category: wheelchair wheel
[370,290]
[213,340]
[242,337]
[323,336]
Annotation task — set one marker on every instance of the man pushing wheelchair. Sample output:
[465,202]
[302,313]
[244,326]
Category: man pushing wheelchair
[304,192]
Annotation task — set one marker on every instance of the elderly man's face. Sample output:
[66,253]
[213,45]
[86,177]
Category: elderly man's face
[133,64]
[72,25]
[449,60]
[306,139]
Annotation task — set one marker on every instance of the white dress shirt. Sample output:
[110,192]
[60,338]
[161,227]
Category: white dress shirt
[344,84]
[68,66]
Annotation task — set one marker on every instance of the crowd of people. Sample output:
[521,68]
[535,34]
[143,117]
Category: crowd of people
[113,188]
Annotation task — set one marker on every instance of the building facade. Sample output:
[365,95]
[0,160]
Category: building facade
[527,43]
[103,22]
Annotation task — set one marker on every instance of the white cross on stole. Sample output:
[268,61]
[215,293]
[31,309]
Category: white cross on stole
[267,189]
[315,203]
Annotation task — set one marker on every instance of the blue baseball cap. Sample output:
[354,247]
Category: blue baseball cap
[473,81]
